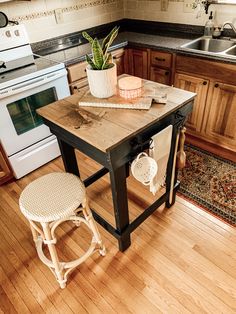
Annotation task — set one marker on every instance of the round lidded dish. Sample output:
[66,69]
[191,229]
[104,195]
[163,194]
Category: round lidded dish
[130,87]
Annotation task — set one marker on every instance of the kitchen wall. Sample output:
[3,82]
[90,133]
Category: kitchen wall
[40,20]
[39,16]
[173,11]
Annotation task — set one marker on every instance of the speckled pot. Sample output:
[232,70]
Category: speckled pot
[102,83]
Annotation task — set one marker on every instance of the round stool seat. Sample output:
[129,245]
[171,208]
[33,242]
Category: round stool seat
[53,196]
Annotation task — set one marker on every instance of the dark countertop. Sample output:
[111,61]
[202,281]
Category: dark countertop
[161,42]
[166,42]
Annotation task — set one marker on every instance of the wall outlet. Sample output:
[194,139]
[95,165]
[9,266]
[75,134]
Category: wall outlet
[164,5]
[188,6]
[59,16]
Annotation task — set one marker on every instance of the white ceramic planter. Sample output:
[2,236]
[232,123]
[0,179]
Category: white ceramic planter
[102,83]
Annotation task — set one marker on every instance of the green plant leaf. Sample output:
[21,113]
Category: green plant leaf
[107,38]
[88,37]
[101,59]
[110,58]
[90,62]
[107,61]
[98,57]
[111,38]
[108,66]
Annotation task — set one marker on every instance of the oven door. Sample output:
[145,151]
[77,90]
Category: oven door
[20,125]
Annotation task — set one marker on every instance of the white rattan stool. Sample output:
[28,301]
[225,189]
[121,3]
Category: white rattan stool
[50,200]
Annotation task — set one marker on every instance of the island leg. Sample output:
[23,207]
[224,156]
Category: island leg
[68,157]
[171,175]
[120,204]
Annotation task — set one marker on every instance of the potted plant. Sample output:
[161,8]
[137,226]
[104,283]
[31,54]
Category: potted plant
[101,71]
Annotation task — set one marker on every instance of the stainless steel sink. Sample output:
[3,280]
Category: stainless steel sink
[231,52]
[209,45]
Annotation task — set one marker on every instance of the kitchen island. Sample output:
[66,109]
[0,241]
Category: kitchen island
[113,138]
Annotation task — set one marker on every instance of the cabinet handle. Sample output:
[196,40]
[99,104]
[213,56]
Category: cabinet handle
[204,83]
[160,59]
[166,73]
[216,85]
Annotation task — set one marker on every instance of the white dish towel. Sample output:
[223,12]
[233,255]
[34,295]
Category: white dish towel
[160,151]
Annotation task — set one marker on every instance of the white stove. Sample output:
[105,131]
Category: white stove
[27,82]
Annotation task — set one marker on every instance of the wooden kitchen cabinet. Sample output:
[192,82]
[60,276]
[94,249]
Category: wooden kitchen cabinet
[158,75]
[138,62]
[220,114]
[199,86]
[213,119]
[77,76]
[5,169]
[150,64]
[77,71]
[80,85]
[161,67]
[120,59]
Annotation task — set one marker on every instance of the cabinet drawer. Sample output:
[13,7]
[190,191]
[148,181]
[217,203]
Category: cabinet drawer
[77,71]
[223,72]
[162,59]
[159,75]
[78,86]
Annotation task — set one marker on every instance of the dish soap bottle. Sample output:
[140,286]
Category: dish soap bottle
[209,26]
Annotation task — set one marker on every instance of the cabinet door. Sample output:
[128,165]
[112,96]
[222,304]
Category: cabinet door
[220,116]
[138,63]
[119,59]
[160,75]
[199,86]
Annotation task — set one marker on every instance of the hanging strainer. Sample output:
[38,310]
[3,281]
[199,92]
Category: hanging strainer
[144,168]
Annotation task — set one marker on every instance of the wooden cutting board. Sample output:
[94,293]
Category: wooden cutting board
[116,101]
[149,95]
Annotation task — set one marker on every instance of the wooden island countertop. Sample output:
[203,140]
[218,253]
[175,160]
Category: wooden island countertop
[109,126]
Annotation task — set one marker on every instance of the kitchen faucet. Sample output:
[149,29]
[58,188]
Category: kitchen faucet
[231,25]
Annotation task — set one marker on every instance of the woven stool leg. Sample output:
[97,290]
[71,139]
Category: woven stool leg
[34,232]
[53,253]
[89,217]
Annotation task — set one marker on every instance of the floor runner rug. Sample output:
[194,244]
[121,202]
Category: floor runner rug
[209,181]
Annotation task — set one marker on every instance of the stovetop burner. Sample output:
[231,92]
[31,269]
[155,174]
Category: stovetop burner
[16,64]
[37,67]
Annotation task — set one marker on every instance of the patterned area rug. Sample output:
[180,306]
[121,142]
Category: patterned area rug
[210,181]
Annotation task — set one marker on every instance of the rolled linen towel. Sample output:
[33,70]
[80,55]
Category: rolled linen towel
[160,151]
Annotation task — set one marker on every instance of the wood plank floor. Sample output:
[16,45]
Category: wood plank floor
[182,260]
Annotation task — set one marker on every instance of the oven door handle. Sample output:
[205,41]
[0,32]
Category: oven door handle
[32,83]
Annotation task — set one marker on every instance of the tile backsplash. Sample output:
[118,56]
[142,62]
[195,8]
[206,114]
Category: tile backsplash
[40,20]
[41,23]
[173,11]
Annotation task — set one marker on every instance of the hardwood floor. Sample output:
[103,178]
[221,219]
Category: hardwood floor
[182,260]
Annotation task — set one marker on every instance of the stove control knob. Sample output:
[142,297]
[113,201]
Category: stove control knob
[16,32]
[2,64]
[8,33]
